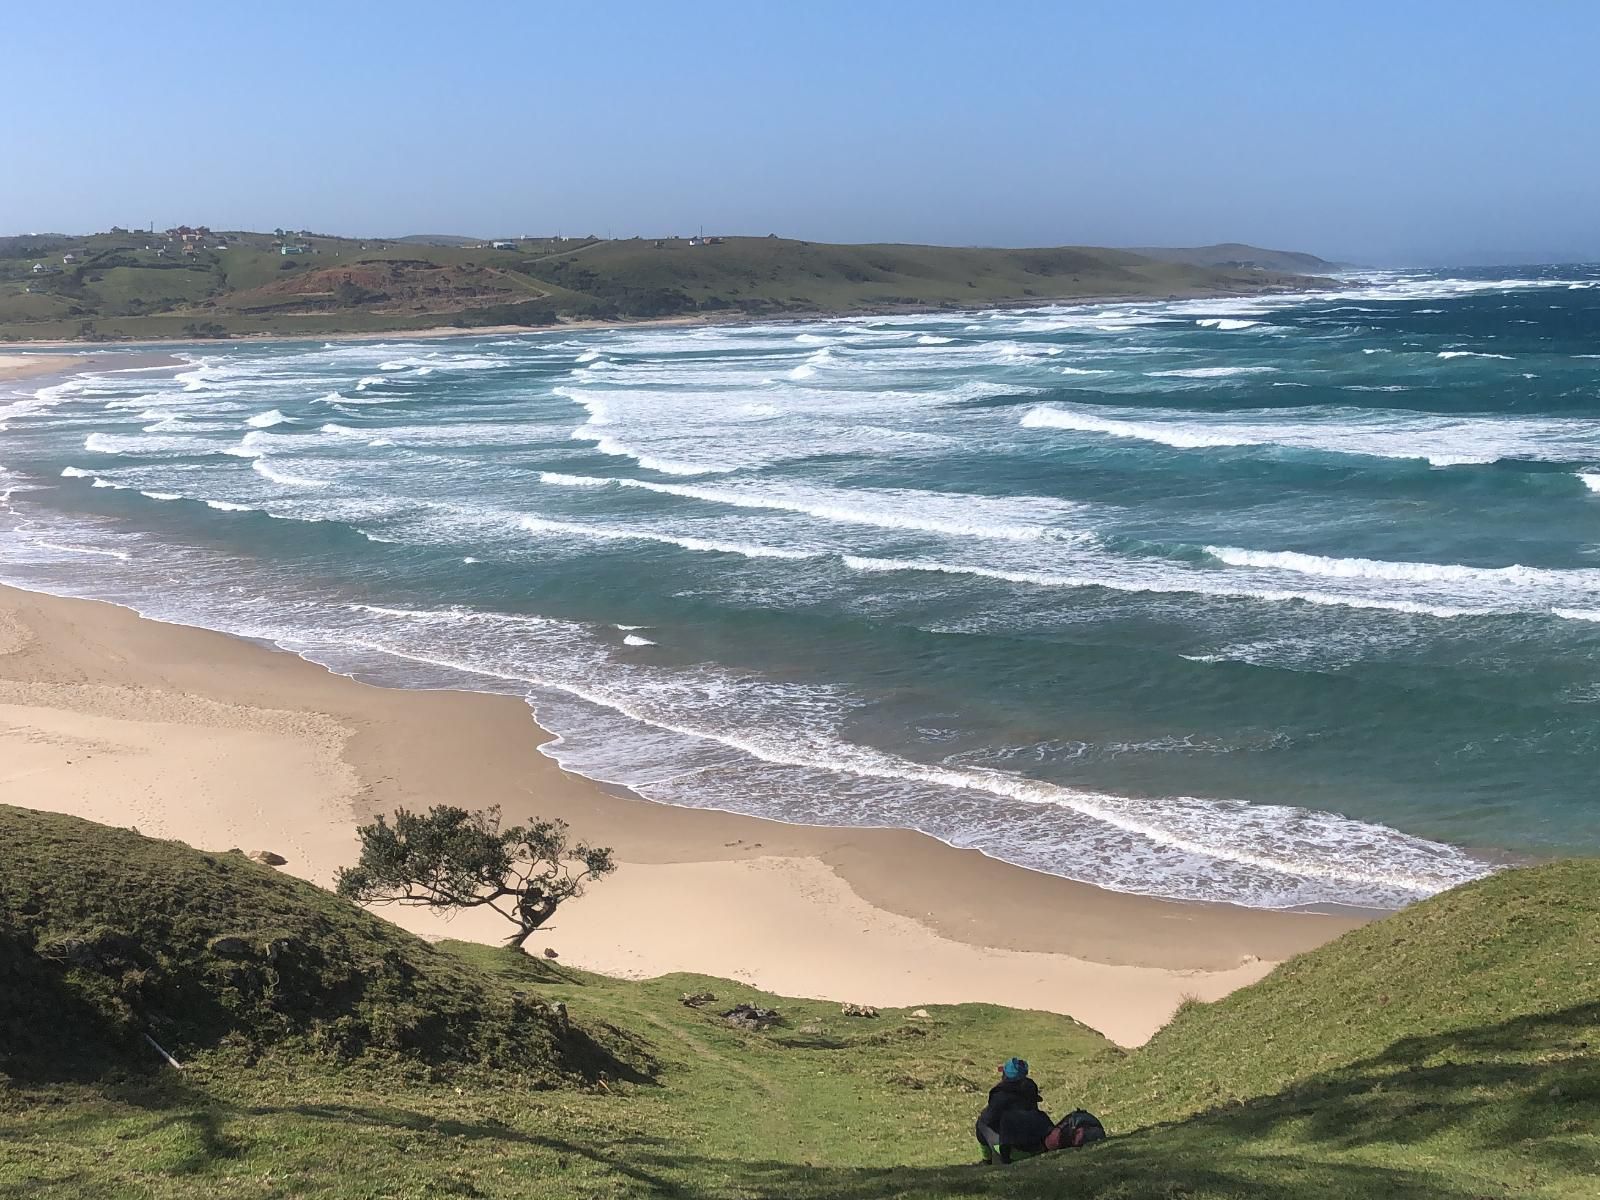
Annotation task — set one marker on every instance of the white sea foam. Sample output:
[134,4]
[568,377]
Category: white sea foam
[286,478]
[886,508]
[1209,372]
[122,555]
[1170,582]
[249,446]
[931,339]
[1577,614]
[76,473]
[1470,354]
[1045,417]
[633,639]
[228,506]
[1225,323]
[267,419]
[587,356]
[1407,572]
[1590,480]
[612,534]
[1441,441]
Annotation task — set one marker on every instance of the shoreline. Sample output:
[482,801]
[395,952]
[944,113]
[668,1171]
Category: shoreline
[15,367]
[693,320]
[221,742]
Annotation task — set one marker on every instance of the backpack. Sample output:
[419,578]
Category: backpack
[1077,1128]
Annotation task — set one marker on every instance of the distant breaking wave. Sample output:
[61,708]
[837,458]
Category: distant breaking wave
[890,510]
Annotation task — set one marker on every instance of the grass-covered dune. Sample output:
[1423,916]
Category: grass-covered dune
[1444,1053]
[129,285]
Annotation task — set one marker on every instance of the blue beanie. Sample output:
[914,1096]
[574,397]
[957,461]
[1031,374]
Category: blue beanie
[1015,1068]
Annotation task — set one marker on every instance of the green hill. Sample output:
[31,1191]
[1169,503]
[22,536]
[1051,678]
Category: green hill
[1445,1053]
[107,937]
[1238,255]
[207,283]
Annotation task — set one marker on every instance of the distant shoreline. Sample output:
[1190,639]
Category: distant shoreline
[722,318]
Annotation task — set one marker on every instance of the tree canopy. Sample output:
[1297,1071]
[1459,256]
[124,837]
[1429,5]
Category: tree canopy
[449,858]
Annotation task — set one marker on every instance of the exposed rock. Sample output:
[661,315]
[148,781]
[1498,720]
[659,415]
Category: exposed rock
[752,1016]
[696,999]
[268,857]
[549,953]
[227,946]
[558,1012]
[858,1010]
[919,1014]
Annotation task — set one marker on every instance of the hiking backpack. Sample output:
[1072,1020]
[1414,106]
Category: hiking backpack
[1077,1128]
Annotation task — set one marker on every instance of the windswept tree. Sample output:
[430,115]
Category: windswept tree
[452,859]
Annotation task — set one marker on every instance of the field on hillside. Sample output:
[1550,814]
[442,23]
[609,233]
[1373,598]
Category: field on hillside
[1445,1053]
[132,285]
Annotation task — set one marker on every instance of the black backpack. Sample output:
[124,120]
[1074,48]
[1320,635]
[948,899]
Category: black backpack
[1077,1128]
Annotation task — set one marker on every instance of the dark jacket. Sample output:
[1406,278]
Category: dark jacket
[1013,1113]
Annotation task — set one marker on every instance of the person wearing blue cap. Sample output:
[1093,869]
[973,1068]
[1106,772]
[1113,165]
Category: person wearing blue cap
[1012,1120]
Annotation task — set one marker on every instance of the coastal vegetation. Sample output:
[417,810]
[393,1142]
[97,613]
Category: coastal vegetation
[198,283]
[1443,1053]
[451,859]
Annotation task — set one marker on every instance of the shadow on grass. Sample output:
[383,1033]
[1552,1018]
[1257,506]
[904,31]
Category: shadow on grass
[1128,1172]
[1514,1082]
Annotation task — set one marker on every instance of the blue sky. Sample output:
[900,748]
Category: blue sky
[1410,130]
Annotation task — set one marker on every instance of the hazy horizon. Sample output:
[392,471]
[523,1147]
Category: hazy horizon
[1423,134]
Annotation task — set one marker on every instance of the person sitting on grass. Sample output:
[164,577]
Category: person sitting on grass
[1012,1120]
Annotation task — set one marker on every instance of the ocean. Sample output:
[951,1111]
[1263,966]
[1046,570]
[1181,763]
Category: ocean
[1286,601]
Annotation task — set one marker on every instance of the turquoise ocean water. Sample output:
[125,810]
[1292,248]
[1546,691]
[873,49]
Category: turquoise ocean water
[1284,601]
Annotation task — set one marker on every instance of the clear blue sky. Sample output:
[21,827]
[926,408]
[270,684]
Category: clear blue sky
[1409,130]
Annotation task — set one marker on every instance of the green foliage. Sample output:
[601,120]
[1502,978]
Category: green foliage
[106,936]
[449,858]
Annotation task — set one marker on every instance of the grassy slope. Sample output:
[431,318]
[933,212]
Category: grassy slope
[120,288]
[106,936]
[1445,1053]
[1225,253]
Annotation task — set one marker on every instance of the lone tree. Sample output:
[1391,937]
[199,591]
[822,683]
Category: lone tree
[454,859]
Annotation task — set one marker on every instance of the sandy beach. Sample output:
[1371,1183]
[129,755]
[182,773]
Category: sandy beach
[25,366]
[188,734]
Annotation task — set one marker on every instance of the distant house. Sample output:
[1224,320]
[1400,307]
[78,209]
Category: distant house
[185,233]
[503,245]
[38,268]
[287,249]
[694,241]
[69,258]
